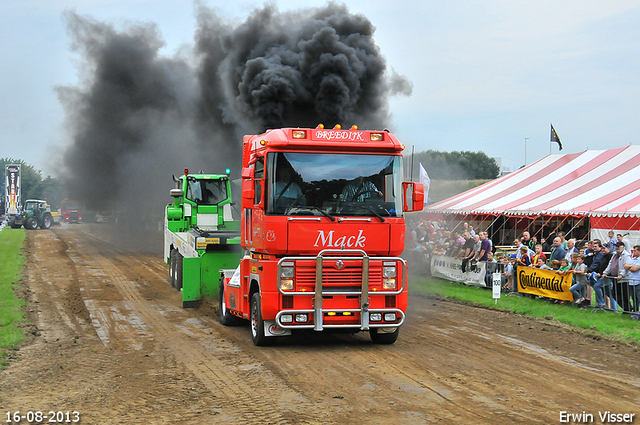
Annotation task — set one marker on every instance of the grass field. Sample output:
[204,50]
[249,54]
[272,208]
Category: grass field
[612,325]
[11,242]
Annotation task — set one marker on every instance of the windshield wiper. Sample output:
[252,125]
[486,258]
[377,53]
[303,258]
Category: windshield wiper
[323,212]
[374,212]
[313,207]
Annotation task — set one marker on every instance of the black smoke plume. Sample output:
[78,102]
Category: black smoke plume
[137,116]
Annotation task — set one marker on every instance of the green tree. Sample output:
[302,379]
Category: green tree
[455,165]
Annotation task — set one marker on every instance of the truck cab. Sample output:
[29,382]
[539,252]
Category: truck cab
[71,212]
[323,227]
[202,234]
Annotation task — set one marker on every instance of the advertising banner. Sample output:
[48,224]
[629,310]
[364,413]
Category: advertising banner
[545,283]
[12,189]
[450,268]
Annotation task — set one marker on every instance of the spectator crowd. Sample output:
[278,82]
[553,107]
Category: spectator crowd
[608,271]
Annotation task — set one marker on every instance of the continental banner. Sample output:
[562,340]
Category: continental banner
[546,283]
[450,268]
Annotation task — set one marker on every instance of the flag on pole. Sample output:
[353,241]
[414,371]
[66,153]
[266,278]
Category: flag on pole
[555,138]
[426,181]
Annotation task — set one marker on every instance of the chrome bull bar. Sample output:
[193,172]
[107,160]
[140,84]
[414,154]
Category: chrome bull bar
[363,292]
[313,326]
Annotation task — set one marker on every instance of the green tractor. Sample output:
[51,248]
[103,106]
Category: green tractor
[36,213]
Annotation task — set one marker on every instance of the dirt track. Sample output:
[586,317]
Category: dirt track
[110,340]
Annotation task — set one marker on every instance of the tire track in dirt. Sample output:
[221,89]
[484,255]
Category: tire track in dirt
[247,387]
[157,363]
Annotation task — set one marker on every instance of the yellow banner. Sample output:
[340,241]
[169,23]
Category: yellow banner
[546,283]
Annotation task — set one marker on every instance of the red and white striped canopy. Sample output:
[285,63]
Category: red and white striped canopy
[594,183]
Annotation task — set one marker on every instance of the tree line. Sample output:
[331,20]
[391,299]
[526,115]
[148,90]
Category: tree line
[455,165]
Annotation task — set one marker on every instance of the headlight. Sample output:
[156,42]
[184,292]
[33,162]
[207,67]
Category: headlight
[286,284]
[389,317]
[286,272]
[286,318]
[375,317]
[301,318]
[389,271]
[389,283]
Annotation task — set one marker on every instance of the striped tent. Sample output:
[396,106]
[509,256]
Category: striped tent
[602,186]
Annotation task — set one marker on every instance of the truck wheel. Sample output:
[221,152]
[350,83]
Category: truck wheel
[31,223]
[257,325]
[46,221]
[226,318]
[172,268]
[380,337]
[178,278]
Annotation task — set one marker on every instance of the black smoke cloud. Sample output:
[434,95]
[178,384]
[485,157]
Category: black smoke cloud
[138,116]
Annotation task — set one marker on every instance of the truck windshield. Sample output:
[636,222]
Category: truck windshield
[318,184]
[205,191]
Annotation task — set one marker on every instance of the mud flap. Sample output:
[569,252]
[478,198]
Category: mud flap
[271,329]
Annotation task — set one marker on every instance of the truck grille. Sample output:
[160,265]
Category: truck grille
[331,277]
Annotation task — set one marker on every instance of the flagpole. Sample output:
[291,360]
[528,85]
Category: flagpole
[413,150]
[525,150]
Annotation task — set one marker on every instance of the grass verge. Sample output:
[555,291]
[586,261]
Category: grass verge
[612,325]
[11,243]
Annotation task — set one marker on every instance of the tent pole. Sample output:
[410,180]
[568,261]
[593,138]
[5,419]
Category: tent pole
[576,225]
[559,224]
[465,216]
[492,233]
[542,227]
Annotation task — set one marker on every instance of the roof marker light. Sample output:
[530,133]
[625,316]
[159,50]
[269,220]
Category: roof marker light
[354,127]
[337,127]
[320,127]
[186,171]
[299,134]
[377,137]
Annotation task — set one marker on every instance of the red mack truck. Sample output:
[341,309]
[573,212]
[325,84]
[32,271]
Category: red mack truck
[322,226]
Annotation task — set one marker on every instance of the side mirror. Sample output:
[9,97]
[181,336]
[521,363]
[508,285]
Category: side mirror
[413,196]
[248,191]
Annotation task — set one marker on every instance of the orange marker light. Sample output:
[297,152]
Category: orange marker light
[354,127]
[337,127]
[320,127]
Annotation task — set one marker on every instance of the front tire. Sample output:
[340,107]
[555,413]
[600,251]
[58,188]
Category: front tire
[257,324]
[45,224]
[226,318]
[379,337]
[31,223]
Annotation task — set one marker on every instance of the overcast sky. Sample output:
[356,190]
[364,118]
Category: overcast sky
[486,74]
